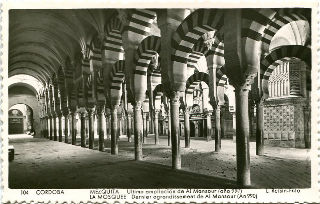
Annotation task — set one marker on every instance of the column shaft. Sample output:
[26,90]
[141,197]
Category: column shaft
[55,138]
[83,129]
[73,129]
[114,131]
[242,138]
[222,113]
[100,130]
[144,127]
[129,127]
[66,132]
[259,131]
[186,129]
[91,128]
[217,131]
[60,127]
[209,127]
[156,127]
[138,126]
[175,140]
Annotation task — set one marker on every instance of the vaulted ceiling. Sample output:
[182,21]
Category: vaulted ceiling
[41,40]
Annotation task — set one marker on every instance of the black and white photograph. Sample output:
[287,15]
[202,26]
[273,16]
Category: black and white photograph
[160,98]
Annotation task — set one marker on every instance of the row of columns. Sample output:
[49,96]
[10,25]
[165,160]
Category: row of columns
[50,130]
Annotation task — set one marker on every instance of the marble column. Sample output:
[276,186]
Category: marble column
[55,137]
[222,113]
[138,130]
[169,127]
[259,131]
[129,126]
[175,140]
[60,126]
[144,127]
[51,127]
[90,112]
[66,123]
[242,138]
[209,127]
[187,128]
[73,127]
[99,114]
[108,125]
[83,128]
[46,133]
[217,131]
[156,127]
[114,130]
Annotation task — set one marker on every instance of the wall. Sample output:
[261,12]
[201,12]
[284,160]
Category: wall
[23,95]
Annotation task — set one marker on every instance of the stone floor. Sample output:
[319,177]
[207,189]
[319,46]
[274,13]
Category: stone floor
[42,163]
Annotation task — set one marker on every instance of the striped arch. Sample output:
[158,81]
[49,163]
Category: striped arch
[186,37]
[70,86]
[85,65]
[275,25]
[62,88]
[194,81]
[96,68]
[112,42]
[157,94]
[117,78]
[254,22]
[217,50]
[89,92]
[80,93]
[269,63]
[147,57]
[141,21]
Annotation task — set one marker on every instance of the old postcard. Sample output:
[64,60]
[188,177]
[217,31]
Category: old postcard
[160,102]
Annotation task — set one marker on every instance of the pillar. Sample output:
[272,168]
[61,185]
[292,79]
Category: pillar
[222,113]
[90,112]
[242,138]
[99,114]
[83,129]
[114,130]
[156,127]
[73,128]
[186,128]
[108,124]
[60,127]
[144,127]
[169,127]
[217,131]
[46,120]
[55,138]
[138,128]
[129,126]
[259,131]
[209,126]
[151,106]
[175,140]
[66,132]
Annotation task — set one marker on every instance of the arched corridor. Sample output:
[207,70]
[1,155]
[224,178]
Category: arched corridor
[217,94]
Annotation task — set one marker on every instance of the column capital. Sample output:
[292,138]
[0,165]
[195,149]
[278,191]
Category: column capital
[175,97]
[90,111]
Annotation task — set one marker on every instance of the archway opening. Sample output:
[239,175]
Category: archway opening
[21,120]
